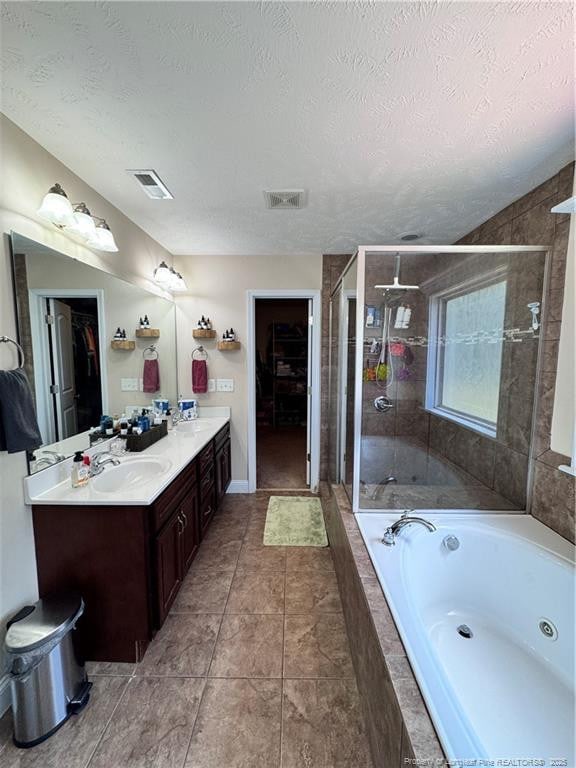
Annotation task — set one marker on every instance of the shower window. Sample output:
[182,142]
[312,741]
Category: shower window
[465,354]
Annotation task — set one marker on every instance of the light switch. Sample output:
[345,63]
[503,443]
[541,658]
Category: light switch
[129,385]
[211,385]
[224,385]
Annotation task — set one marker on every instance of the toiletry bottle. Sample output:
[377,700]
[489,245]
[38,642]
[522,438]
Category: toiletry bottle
[169,419]
[79,475]
[123,425]
[141,323]
[208,324]
[232,335]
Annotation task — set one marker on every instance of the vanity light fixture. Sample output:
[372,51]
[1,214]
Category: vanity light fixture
[162,274]
[56,208]
[83,222]
[168,278]
[103,238]
[77,219]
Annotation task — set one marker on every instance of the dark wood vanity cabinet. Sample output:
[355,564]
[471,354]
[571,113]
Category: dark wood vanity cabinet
[128,562]
[223,462]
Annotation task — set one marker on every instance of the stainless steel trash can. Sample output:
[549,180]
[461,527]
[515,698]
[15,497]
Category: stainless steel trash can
[48,682]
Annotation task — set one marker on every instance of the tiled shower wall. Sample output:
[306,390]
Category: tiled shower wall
[527,221]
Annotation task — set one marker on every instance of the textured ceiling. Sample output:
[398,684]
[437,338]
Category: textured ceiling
[396,116]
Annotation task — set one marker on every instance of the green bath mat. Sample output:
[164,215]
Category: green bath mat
[295,521]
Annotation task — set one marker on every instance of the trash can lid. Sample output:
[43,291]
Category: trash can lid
[50,617]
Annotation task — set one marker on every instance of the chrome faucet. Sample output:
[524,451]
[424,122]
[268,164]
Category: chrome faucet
[391,533]
[97,464]
[47,457]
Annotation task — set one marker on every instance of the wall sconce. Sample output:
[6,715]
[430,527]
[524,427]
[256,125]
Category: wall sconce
[77,219]
[168,278]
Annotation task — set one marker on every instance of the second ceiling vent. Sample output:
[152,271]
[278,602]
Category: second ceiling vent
[284,199]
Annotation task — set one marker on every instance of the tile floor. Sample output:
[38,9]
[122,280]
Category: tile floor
[251,670]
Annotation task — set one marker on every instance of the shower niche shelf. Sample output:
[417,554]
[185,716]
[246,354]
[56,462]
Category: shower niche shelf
[148,333]
[124,344]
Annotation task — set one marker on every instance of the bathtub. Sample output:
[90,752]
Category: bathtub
[506,692]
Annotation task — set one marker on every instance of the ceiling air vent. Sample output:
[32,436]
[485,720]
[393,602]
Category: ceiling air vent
[152,185]
[285,198]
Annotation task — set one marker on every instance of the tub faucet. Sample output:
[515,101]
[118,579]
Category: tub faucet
[391,533]
[99,460]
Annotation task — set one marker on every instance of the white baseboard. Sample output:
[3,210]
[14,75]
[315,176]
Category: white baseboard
[5,697]
[238,486]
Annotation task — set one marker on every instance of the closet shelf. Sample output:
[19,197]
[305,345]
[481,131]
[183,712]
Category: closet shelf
[228,346]
[124,344]
[147,333]
[202,333]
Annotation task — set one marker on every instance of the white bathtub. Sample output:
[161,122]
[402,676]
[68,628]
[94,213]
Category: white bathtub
[506,693]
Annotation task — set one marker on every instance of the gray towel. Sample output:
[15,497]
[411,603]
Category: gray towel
[18,426]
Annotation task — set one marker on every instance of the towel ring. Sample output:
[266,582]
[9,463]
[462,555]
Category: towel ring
[200,350]
[8,340]
[153,350]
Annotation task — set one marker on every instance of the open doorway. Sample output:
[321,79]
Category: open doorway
[67,336]
[282,392]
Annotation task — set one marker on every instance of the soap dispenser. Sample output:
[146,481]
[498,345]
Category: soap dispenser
[80,471]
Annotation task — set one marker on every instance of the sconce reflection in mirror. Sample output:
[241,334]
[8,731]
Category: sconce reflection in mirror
[76,219]
[167,277]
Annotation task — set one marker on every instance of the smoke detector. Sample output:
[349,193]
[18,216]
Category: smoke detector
[152,184]
[284,199]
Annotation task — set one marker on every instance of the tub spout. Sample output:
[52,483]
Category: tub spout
[391,533]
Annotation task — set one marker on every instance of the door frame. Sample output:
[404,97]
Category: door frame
[41,350]
[314,361]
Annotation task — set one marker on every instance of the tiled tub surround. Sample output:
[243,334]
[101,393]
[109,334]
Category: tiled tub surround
[399,727]
[251,668]
[508,574]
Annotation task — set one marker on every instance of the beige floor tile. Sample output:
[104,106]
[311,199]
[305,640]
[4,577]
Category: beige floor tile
[110,668]
[73,745]
[152,726]
[238,725]
[217,556]
[312,592]
[183,646]
[254,592]
[316,646]
[249,646]
[322,726]
[203,592]
[299,559]
[255,557]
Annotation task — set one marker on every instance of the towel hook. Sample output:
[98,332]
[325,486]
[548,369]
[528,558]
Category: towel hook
[200,349]
[8,340]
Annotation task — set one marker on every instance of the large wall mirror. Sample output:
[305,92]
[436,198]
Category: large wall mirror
[67,316]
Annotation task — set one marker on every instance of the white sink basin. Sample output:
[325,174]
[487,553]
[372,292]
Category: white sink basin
[129,473]
[194,427]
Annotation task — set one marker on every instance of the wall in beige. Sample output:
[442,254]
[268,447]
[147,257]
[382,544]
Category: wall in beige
[218,287]
[28,171]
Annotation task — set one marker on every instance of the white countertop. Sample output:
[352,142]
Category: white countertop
[174,451]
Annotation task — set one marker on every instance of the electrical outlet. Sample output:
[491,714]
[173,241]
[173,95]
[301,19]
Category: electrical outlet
[129,385]
[224,385]
[211,385]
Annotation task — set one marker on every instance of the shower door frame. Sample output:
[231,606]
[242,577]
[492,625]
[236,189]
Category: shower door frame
[360,257]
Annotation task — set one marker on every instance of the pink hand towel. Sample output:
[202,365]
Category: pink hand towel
[199,376]
[151,376]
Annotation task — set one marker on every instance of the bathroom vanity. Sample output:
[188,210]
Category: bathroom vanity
[127,540]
